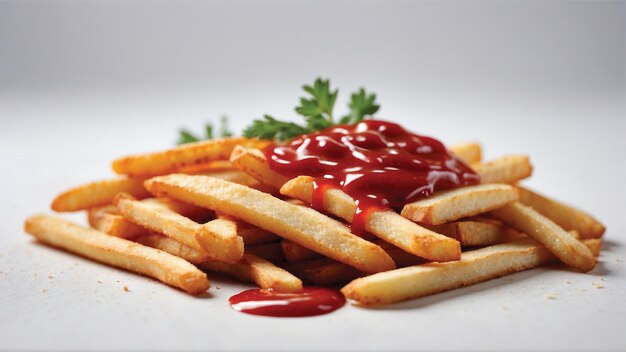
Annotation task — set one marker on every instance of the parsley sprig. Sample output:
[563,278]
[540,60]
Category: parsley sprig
[223,131]
[317,111]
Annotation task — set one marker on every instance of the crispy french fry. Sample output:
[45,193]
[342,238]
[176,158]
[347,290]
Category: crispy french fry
[251,234]
[458,203]
[260,271]
[301,225]
[473,232]
[240,177]
[173,247]
[564,215]
[561,243]
[271,251]
[594,245]
[468,152]
[474,267]
[108,220]
[508,169]
[323,271]
[217,238]
[118,252]
[253,162]
[98,193]
[180,158]
[385,224]
[294,252]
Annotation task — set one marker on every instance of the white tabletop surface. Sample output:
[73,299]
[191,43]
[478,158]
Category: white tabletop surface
[546,79]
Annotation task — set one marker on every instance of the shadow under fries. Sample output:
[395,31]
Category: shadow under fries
[52,249]
[417,303]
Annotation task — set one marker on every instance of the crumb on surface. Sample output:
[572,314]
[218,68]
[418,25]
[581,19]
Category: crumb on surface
[550,296]
[598,286]
[567,282]
[602,278]
[50,276]
[99,281]
[44,290]
[126,289]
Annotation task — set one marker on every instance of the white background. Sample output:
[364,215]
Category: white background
[84,83]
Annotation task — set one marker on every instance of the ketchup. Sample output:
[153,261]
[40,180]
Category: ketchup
[378,163]
[308,302]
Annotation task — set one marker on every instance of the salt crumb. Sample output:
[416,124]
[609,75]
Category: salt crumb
[44,290]
[50,276]
[99,281]
[596,285]
[550,296]
[567,282]
[126,289]
[602,278]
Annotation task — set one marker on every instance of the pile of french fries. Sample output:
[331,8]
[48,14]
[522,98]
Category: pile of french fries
[216,206]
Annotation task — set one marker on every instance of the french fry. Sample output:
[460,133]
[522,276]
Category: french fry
[260,271]
[323,271]
[271,251]
[508,169]
[254,163]
[458,203]
[294,252]
[296,223]
[469,153]
[385,224]
[108,220]
[561,243]
[240,177]
[422,280]
[250,268]
[98,193]
[594,245]
[562,214]
[217,238]
[251,235]
[473,232]
[180,158]
[117,252]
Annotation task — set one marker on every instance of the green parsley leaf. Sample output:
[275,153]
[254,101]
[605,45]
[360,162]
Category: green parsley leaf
[362,105]
[270,128]
[318,110]
[224,130]
[186,137]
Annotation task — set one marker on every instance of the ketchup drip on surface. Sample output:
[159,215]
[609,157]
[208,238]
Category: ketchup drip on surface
[310,301]
[378,163]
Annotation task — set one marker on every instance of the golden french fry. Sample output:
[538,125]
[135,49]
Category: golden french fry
[251,234]
[240,177]
[323,271]
[117,252]
[296,223]
[468,152]
[508,169]
[98,193]
[385,224]
[108,220]
[260,271]
[561,243]
[473,232]
[269,251]
[254,163]
[594,245]
[180,158]
[294,252]
[173,247]
[422,280]
[562,214]
[458,203]
[217,239]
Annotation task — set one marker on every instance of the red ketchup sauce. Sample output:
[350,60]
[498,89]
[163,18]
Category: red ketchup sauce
[308,302]
[378,163]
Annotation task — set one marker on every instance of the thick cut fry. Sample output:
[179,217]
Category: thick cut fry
[251,234]
[180,158]
[260,271]
[269,251]
[294,252]
[99,193]
[385,224]
[474,267]
[458,203]
[469,152]
[564,215]
[118,252]
[108,220]
[253,162]
[594,245]
[508,169]
[236,176]
[473,232]
[323,272]
[298,224]
[561,243]
[217,238]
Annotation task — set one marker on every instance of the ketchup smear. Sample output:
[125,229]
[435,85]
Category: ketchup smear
[378,163]
[308,302]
